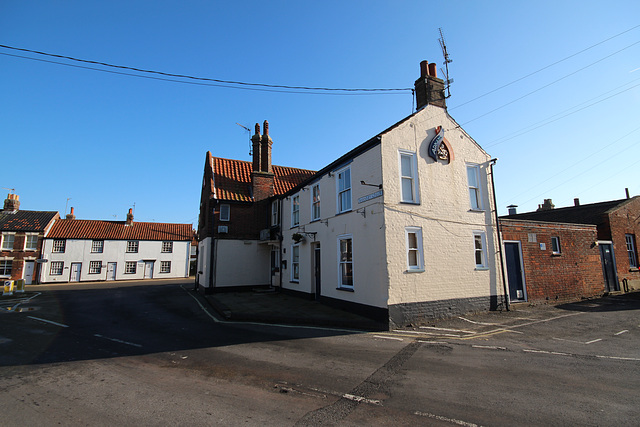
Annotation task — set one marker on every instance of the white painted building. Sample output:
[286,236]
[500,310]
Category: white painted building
[401,228]
[94,250]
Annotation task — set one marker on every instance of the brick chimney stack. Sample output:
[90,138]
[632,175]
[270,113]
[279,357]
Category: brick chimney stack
[70,215]
[262,174]
[429,88]
[129,217]
[11,203]
[546,206]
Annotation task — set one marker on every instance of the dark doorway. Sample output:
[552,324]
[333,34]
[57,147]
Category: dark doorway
[515,275]
[609,267]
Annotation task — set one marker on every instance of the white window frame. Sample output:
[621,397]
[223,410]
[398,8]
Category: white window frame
[97,246]
[59,268]
[556,249]
[167,247]
[133,246]
[275,212]
[315,202]
[34,246]
[128,264]
[295,263]
[95,267]
[417,250]
[344,263]
[295,210]
[411,177]
[482,250]
[5,239]
[475,191]
[5,262]
[343,192]
[225,212]
[58,246]
[631,250]
[165,266]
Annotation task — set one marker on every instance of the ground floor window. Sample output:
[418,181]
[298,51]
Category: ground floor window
[5,267]
[555,245]
[165,266]
[130,267]
[631,250]
[56,268]
[295,263]
[345,252]
[415,258]
[480,248]
[95,267]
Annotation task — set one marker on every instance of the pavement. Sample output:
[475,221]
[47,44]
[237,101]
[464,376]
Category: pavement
[280,308]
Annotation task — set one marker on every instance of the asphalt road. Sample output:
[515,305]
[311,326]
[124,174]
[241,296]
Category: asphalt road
[155,354]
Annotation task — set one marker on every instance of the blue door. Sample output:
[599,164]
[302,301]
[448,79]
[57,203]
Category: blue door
[515,274]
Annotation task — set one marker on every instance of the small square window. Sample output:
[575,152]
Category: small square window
[5,267]
[95,267]
[225,212]
[167,247]
[7,241]
[132,246]
[97,246]
[130,267]
[31,242]
[56,268]
[58,246]
[555,245]
[165,266]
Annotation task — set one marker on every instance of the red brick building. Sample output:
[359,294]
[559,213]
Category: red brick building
[572,252]
[21,239]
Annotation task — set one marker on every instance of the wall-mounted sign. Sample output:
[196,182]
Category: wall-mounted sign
[370,196]
[439,147]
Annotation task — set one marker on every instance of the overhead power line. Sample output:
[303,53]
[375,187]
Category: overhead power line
[202,79]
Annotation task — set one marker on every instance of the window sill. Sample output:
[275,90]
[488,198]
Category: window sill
[556,254]
[635,269]
[344,212]
[415,270]
[476,210]
[344,289]
[408,202]
[314,220]
[482,268]
[296,282]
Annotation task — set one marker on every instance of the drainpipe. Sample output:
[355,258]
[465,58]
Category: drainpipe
[495,205]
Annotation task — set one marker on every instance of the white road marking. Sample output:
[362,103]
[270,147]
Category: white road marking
[621,332]
[432,342]
[592,341]
[388,338]
[118,341]
[491,347]
[478,323]
[446,329]
[556,353]
[425,333]
[619,358]
[449,420]
[361,399]
[48,321]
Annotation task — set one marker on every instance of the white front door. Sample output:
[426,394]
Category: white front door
[111,271]
[76,267]
[28,272]
[148,269]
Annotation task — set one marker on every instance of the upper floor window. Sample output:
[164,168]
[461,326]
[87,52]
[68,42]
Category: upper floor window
[555,245]
[345,260]
[295,210]
[315,202]
[225,212]
[97,246]
[31,242]
[130,267]
[415,258]
[167,247]
[275,213]
[7,241]
[480,248]
[631,250]
[344,190]
[132,246]
[473,179]
[408,177]
[58,246]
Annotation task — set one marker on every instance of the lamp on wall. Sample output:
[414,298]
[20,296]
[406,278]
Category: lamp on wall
[371,185]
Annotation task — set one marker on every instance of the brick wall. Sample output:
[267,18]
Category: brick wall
[245,220]
[573,274]
[625,220]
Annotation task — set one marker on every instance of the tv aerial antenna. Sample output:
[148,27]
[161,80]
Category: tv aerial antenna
[447,61]
[248,130]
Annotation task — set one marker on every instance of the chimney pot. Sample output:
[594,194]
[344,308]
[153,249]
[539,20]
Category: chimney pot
[512,209]
[424,68]
[11,203]
[70,215]
[576,202]
[433,70]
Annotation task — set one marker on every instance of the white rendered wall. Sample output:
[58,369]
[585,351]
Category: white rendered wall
[79,251]
[444,214]
[364,223]
[242,263]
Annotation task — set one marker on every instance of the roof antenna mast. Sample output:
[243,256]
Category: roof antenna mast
[447,61]
[248,130]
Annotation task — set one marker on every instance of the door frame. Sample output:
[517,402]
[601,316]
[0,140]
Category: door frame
[148,262]
[521,259]
[71,272]
[614,266]
[28,279]
[115,269]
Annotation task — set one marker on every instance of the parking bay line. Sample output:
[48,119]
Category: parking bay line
[48,321]
[118,341]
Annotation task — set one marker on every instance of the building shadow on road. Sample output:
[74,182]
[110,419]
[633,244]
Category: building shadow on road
[618,302]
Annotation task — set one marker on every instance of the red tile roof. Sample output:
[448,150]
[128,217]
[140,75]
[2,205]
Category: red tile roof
[118,230]
[232,179]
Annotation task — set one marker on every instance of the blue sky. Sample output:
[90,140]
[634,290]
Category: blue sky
[568,129]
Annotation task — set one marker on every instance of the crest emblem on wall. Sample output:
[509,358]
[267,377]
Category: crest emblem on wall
[439,148]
